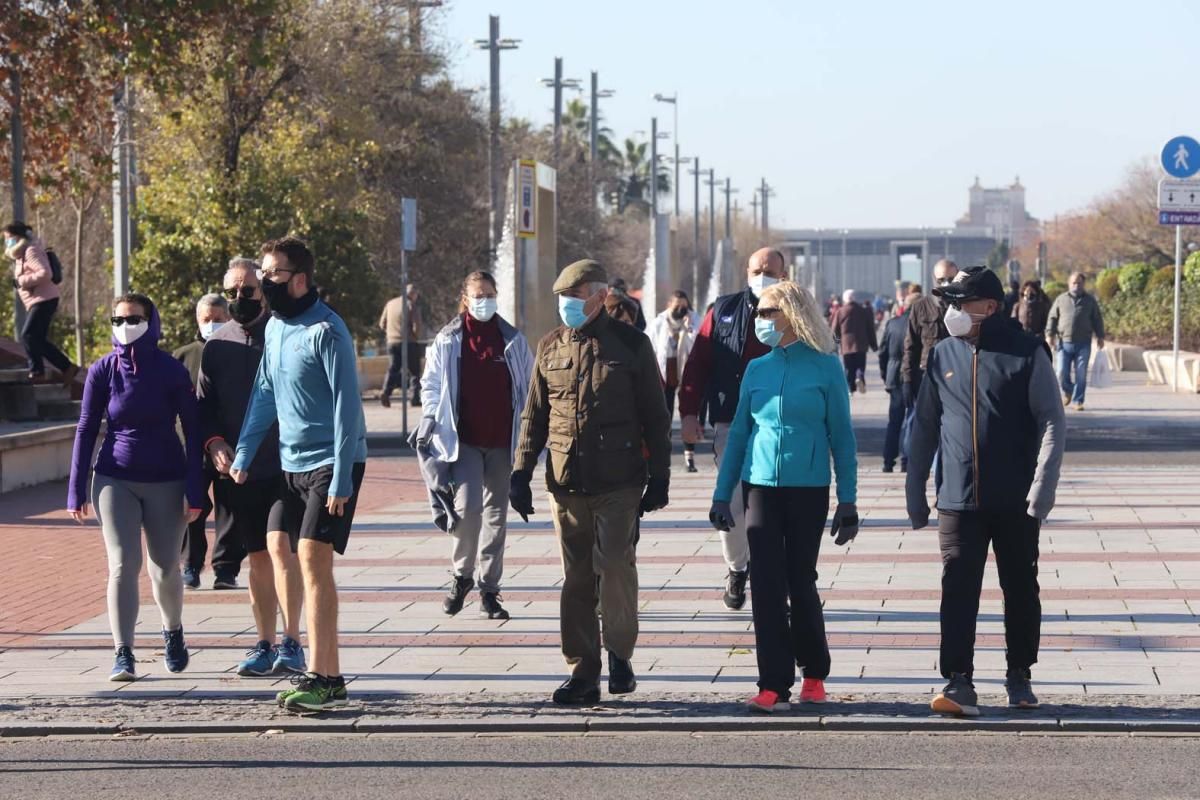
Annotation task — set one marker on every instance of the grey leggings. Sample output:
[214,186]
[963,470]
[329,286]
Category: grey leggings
[124,508]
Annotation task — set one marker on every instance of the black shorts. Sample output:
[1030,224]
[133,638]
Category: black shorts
[246,511]
[301,512]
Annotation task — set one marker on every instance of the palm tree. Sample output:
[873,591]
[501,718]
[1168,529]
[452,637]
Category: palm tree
[576,122]
[635,174]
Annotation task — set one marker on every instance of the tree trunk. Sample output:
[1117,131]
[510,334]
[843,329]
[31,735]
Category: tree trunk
[79,213]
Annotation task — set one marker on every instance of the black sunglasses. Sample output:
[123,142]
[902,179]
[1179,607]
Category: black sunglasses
[246,292]
[132,319]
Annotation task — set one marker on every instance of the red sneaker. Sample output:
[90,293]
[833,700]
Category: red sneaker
[812,691]
[767,702]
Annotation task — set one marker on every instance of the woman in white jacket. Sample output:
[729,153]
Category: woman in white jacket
[671,333]
[477,373]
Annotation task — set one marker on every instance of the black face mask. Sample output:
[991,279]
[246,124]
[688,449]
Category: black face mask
[679,313]
[246,309]
[282,303]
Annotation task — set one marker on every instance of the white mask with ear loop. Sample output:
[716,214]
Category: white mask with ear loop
[959,322]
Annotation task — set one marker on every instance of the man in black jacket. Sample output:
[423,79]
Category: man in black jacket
[891,351]
[989,403]
[251,512]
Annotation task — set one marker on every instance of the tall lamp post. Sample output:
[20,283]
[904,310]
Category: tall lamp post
[558,84]
[594,125]
[674,101]
[494,44]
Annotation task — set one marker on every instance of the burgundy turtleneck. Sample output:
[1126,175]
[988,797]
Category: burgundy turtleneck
[484,386]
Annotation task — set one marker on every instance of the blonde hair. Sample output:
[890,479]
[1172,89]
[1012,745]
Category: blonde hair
[802,313]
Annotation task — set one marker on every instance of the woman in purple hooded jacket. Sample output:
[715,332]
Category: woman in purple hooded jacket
[143,478]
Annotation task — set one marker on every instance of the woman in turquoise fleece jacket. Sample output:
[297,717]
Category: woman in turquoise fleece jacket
[793,413]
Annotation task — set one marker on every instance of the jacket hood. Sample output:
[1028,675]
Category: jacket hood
[128,354]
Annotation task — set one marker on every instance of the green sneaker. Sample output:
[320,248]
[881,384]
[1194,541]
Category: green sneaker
[315,693]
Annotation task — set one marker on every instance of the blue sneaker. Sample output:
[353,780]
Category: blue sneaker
[289,656]
[191,577]
[259,660]
[124,668]
[175,654]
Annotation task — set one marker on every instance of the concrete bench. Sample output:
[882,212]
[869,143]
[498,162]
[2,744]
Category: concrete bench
[1124,357]
[34,454]
[1160,364]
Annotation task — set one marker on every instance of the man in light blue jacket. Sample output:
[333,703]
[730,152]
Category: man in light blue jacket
[308,381]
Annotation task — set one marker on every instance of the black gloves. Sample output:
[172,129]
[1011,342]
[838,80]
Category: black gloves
[845,523]
[520,496]
[721,516]
[655,496]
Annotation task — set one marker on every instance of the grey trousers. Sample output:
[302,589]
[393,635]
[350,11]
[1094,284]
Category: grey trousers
[734,543]
[481,475]
[124,509]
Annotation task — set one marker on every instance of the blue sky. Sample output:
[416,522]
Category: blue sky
[869,113]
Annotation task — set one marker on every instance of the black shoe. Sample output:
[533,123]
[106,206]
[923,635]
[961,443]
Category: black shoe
[191,577]
[385,401]
[620,675]
[889,468]
[904,466]
[416,401]
[489,606]
[458,594]
[958,698]
[735,589]
[577,692]
[1020,693]
[692,468]
[224,580]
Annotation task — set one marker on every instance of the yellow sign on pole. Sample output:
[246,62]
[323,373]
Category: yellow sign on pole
[526,199]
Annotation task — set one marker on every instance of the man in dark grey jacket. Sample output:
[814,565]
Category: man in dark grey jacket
[1074,320]
[250,512]
[990,405]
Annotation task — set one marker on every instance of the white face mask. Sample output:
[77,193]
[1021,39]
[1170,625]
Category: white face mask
[481,308]
[761,281]
[128,334]
[207,329]
[959,322]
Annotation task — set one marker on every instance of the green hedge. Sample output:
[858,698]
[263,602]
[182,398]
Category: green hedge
[1146,319]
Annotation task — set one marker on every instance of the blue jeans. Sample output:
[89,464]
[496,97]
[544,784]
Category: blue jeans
[1075,356]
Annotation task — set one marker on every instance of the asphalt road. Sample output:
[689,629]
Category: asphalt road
[833,765]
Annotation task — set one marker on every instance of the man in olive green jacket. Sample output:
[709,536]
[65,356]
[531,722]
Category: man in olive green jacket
[596,403]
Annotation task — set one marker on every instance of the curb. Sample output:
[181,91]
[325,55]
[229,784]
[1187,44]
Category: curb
[581,725]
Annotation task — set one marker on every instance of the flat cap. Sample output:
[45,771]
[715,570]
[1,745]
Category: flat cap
[585,271]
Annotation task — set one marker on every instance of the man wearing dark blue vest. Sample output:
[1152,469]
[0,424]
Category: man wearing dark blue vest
[723,348]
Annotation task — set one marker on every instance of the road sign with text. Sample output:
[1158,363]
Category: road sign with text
[1175,195]
[1179,217]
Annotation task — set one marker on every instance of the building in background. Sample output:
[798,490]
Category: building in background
[1002,210]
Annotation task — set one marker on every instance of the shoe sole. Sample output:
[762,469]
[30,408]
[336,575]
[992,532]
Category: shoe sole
[632,688]
[590,700]
[501,616]
[284,669]
[769,709]
[944,705]
[122,677]
[176,671]
[224,587]
[290,706]
[734,605]
[1026,706]
[249,673]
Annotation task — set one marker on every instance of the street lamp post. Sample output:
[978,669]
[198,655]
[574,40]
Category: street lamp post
[494,44]
[674,101]
[594,125]
[712,214]
[558,84]
[728,208]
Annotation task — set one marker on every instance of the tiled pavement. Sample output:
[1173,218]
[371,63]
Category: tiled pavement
[1120,577]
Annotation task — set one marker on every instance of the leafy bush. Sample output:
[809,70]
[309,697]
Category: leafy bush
[1108,283]
[1191,269]
[1135,276]
[1163,276]
[1146,320]
[1053,289]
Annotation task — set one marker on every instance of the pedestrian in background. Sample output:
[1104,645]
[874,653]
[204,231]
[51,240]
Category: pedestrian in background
[1075,319]
[212,312]
[891,354]
[854,326]
[308,384]
[1033,309]
[33,278]
[792,416]
[622,308]
[596,404]
[472,391]
[248,516]
[988,405]
[620,290]
[925,329]
[723,347]
[392,323]
[672,334]
[144,480]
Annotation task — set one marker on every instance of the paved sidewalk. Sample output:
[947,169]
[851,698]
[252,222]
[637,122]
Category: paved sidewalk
[1120,577]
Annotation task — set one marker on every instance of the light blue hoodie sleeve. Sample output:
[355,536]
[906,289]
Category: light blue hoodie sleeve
[734,455]
[841,432]
[336,351]
[260,415]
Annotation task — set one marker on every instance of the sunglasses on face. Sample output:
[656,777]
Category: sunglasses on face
[132,319]
[766,313]
[246,292]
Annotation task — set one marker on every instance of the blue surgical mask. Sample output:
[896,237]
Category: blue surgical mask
[570,310]
[207,329]
[766,332]
[482,308]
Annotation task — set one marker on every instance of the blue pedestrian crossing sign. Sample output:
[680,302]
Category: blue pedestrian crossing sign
[1181,157]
